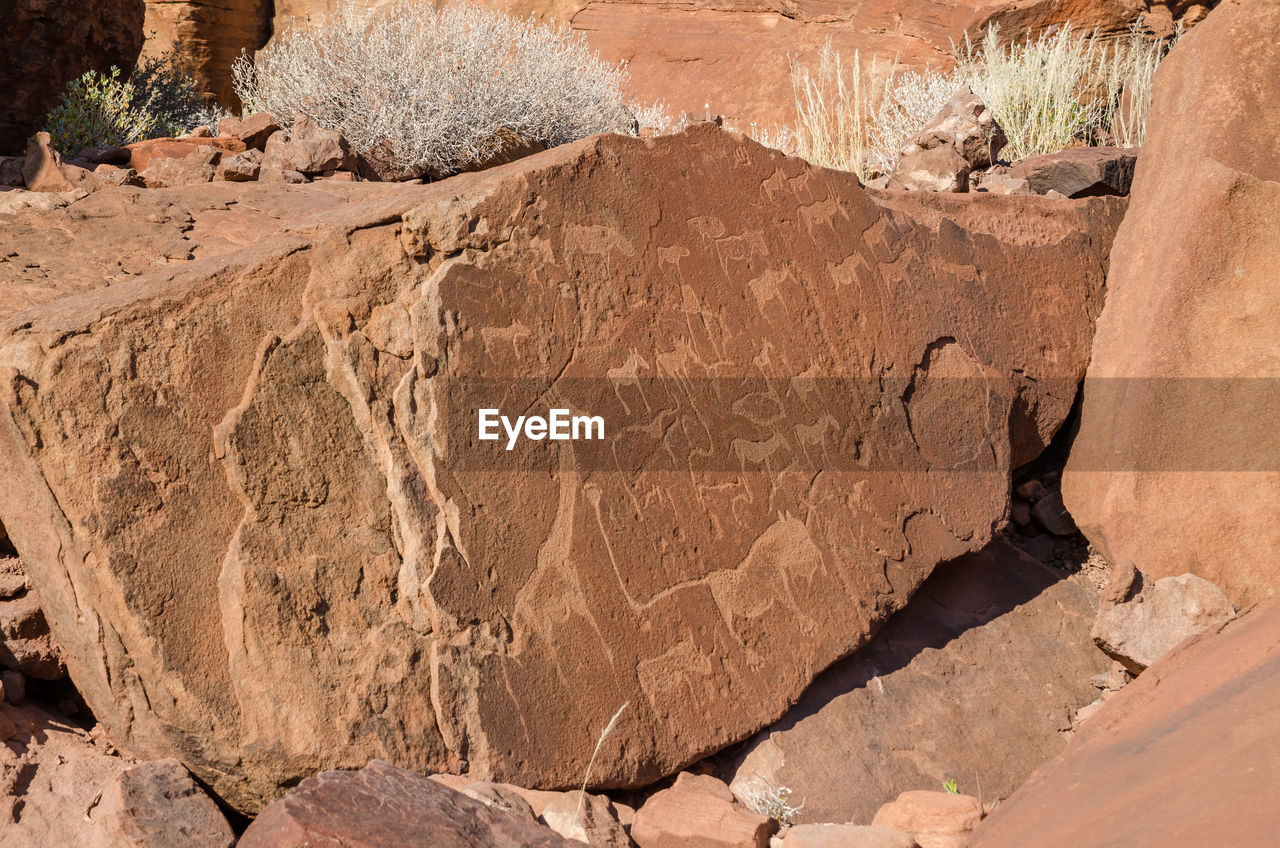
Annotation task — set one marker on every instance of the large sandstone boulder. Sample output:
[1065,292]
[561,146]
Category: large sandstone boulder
[974,681]
[1185,755]
[1175,467]
[46,44]
[249,489]
[209,37]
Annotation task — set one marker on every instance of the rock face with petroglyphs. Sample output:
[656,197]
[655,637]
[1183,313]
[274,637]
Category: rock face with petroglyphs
[244,471]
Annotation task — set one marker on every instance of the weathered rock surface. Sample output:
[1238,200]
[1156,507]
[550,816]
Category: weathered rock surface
[940,168]
[974,680]
[1187,754]
[51,775]
[1176,467]
[248,487]
[25,642]
[935,819]
[42,166]
[1079,171]
[195,168]
[143,153]
[699,810]
[388,807]
[592,819]
[157,805]
[965,124]
[1140,620]
[45,45]
[307,148]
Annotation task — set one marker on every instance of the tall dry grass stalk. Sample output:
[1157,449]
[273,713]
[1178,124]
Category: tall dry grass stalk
[1048,93]
[586,778]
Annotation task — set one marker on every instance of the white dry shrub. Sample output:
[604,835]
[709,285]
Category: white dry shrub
[442,87]
[1048,93]
[760,796]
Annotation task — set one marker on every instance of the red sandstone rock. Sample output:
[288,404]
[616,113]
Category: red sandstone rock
[965,124]
[1184,756]
[994,643]
[308,149]
[143,153]
[845,836]
[1175,465]
[42,168]
[699,812]
[253,130]
[46,44]
[388,807]
[934,819]
[939,168]
[1140,619]
[195,168]
[157,805]
[1079,171]
[338,563]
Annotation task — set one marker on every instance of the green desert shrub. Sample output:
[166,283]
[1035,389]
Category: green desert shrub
[160,98]
[442,88]
[1048,93]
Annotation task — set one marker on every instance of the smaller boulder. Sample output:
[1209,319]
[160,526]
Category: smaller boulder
[934,819]
[81,175]
[308,149]
[965,124]
[241,168]
[1140,620]
[112,175]
[42,168]
[26,645]
[253,130]
[588,818]
[15,687]
[845,836]
[699,810]
[157,805]
[1004,184]
[938,168]
[197,167]
[142,153]
[1079,171]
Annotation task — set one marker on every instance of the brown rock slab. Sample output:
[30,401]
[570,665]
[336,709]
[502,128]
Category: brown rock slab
[42,168]
[45,45]
[1003,184]
[698,811]
[940,168]
[1186,755]
[195,168]
[52,775]
[845,836]
[588,818]
[1140,619]
[354,568]
[387,807]
[308,148]
[965,124]
[253,130]
[157,805]
[26,645]
[994,643]
[243,167]
[1175,467]
[1079,171]
[143,153]
[934,819]
[501,796]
